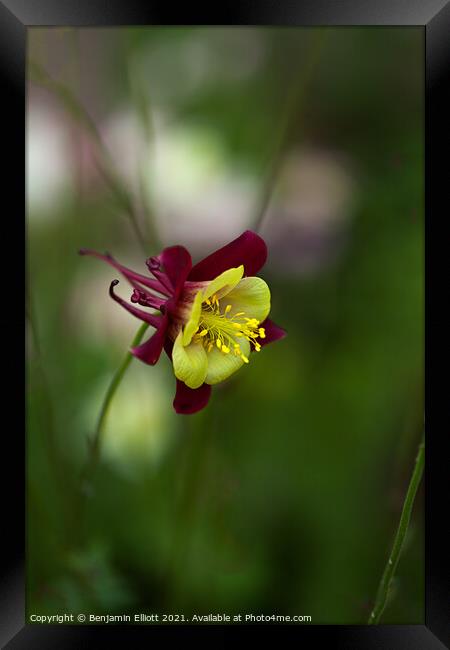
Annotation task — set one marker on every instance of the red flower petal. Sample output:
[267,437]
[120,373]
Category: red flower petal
[152,319]
[177,263]
[150,351]
[130,275]
[248,249]
[273,332]
[188,400]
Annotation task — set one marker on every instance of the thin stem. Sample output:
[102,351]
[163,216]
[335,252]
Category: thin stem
[88,472]
[388,574]
[103,159]
[293,106]
[54,458]
[144,113]
[115,381]
[199,434]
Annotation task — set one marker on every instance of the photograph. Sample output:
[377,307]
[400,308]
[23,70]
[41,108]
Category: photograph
[225,325]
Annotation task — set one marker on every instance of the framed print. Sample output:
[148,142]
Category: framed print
[226,226]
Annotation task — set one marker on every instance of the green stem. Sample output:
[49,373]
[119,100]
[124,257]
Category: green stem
[388,574]
[45,402]
[94,446]
[199,433]
[293,107]
[143,108]
[115,381]
[103,158]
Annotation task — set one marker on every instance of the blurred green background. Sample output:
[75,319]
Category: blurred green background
[283,495]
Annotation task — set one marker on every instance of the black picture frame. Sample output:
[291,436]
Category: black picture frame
[16,16]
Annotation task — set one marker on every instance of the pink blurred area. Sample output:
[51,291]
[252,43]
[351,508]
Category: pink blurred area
[177,170]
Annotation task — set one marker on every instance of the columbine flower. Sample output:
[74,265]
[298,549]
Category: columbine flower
[212,315]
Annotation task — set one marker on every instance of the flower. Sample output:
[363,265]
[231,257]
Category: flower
[211,315]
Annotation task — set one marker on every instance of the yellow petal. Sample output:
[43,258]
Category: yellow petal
[224,283]
[190,363]
[191,326]
[221,366]
[251,296]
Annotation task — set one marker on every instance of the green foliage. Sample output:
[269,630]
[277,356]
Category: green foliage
[283,496]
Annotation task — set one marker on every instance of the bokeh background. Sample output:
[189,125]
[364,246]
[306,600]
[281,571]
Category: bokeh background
[282,497]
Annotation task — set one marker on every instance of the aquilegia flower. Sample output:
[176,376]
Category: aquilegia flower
[212,315]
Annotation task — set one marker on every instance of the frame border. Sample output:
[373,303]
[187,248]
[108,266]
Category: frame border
[434,16]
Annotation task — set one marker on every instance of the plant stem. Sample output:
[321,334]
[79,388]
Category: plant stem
[293,107]
[55,459]
[114,384]
[388,574]
[199,433]
[103,158]
[143,108]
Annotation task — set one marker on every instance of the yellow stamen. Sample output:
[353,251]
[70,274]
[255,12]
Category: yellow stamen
[224,329]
